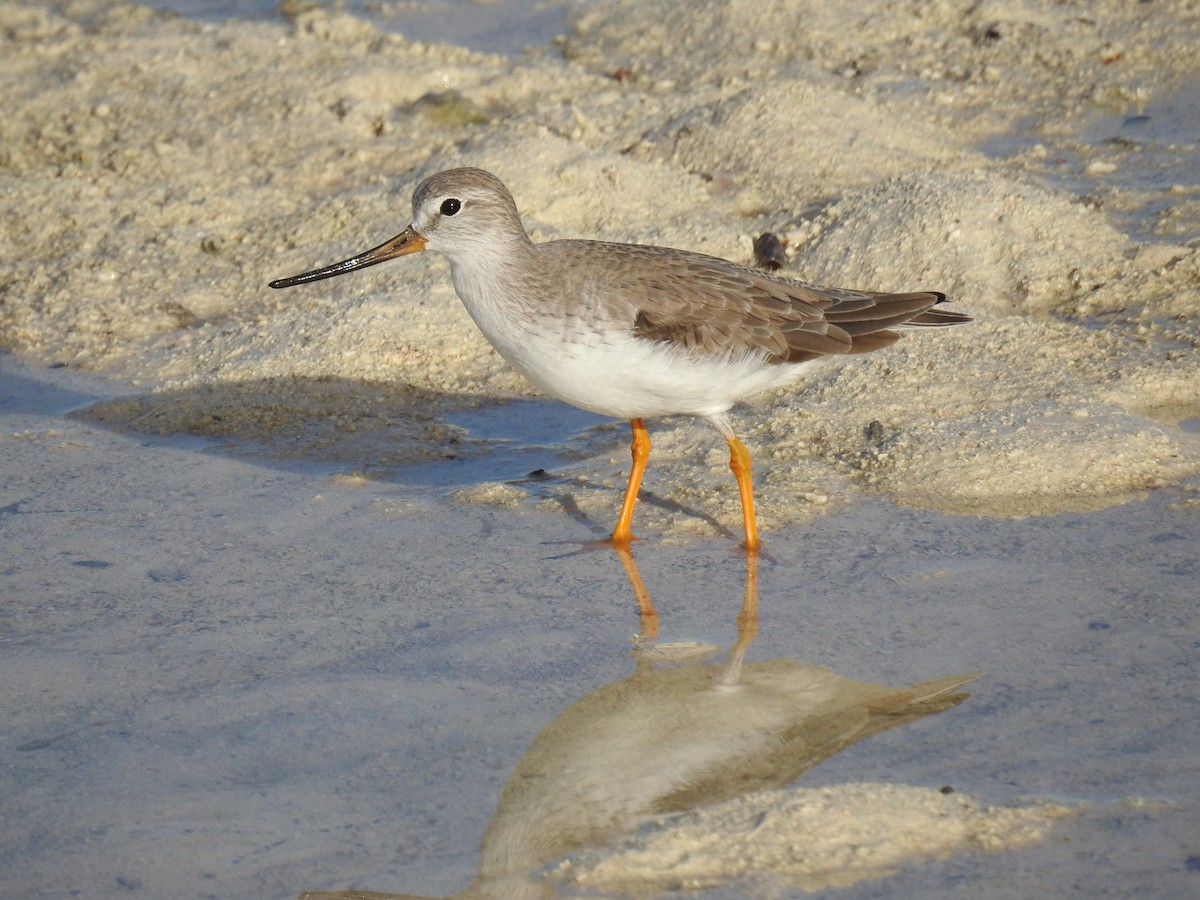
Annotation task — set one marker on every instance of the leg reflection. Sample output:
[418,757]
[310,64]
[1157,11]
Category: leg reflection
[747,622]
[747,619]
[647,617]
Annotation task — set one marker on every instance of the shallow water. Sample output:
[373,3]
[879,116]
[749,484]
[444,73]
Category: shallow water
[495,26]
[228,678]
[1138,161]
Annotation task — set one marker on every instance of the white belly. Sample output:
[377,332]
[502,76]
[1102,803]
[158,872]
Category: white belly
[628,377]
[603,368]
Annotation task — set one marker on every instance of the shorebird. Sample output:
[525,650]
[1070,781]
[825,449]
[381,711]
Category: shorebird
[634,331]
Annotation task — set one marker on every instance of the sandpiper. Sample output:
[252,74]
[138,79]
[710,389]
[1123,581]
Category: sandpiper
[634,331]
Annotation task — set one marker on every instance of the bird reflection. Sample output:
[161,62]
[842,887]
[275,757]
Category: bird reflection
[677,734]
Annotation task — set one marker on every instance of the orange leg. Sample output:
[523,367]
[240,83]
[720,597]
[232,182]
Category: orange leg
[739,462]
[623,534]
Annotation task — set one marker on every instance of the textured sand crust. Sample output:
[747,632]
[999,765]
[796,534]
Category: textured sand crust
[812,839]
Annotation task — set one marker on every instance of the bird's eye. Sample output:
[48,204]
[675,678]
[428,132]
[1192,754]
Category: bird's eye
[451,206]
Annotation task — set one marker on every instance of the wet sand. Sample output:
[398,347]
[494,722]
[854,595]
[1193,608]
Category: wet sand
[244,654]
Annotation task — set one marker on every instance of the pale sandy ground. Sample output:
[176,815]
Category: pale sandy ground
[275,617]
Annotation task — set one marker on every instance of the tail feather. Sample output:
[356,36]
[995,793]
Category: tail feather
[938,317]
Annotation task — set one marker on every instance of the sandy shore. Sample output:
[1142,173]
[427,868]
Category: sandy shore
[245,656]
[180,167]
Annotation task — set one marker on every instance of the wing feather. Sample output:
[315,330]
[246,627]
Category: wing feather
[715,307]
